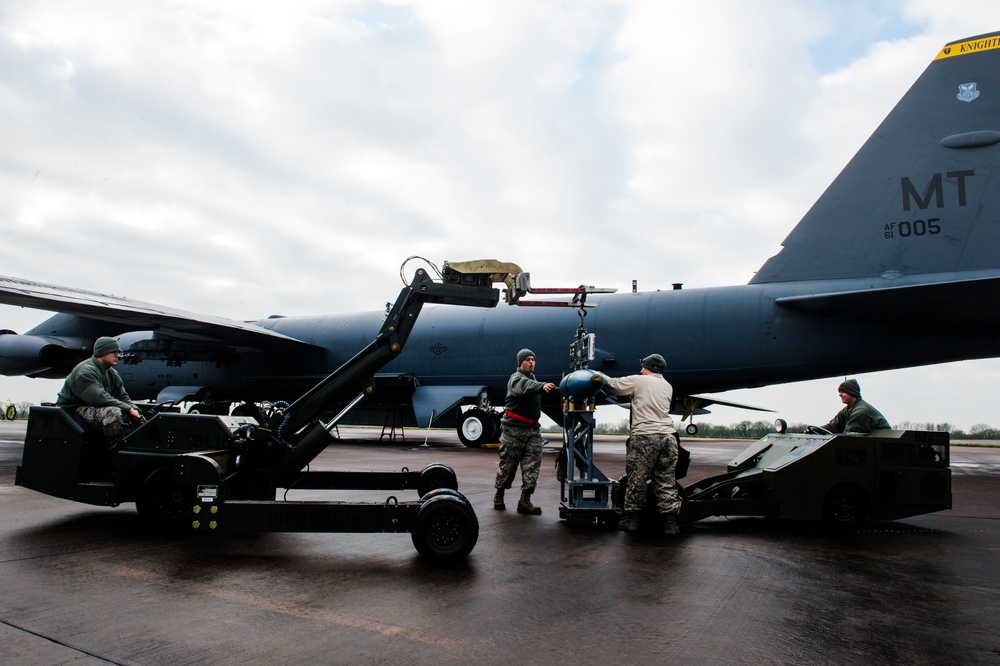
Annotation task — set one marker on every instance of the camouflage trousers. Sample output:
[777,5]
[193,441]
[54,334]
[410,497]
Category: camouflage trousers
[109,420]
[652,457]
[519,446]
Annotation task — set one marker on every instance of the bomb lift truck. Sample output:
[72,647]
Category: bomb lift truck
[840,479]
[222,472]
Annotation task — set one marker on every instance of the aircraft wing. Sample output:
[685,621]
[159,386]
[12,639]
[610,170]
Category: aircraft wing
[961,301]
[128,314]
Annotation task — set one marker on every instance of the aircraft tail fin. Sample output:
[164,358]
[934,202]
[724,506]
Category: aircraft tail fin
[917,198]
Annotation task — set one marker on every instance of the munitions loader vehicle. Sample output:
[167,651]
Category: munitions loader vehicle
[842,479]
[223,472]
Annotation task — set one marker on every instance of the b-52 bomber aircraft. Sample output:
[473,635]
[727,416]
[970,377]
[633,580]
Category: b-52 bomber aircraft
[896,265]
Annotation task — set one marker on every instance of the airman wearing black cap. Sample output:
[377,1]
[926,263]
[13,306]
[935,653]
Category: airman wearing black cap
[95,391]
[520,437]
[858,416]
[651,449]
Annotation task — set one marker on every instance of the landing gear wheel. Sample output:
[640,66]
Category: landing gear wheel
[436,475]
[476,427]
[692,429]
[162,503]
[817,430]
[446,529]
[845,507]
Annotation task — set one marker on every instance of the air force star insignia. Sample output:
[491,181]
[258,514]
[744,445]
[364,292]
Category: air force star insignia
[967,92]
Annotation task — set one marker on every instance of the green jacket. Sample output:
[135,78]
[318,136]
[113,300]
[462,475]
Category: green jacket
[90,384]
[524,398]
[859,417]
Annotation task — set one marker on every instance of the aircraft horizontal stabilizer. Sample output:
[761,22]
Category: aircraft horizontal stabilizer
[705,401]
[685,406]
[958,302]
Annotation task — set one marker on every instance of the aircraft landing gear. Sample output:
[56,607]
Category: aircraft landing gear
[477,427]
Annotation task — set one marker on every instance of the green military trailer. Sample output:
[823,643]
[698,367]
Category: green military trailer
[842,479]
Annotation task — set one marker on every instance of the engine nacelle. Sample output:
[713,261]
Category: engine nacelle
[34,355]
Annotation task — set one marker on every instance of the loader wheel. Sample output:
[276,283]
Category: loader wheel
[845,507]
[446,491]
[446,529]
[162,503]
[476,427]
[436,475]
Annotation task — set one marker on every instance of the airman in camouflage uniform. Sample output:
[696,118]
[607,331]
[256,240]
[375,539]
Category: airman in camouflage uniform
[520,438]
[651,449]
[95,391]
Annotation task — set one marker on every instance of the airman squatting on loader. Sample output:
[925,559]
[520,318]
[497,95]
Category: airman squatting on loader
[94,390]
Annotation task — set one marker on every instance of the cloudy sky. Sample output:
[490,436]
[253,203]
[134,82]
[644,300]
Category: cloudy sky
[251,158]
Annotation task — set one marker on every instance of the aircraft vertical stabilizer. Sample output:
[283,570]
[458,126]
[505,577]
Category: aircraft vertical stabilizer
[917,197]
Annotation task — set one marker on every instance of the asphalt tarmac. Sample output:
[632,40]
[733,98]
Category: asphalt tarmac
[89,585]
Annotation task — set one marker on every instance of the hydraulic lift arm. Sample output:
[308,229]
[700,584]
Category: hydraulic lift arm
[466,283]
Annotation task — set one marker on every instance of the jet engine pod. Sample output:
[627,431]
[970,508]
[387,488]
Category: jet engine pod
[34,355]
[581,384]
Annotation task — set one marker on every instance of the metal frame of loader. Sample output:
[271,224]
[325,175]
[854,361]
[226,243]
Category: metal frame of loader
[587,495]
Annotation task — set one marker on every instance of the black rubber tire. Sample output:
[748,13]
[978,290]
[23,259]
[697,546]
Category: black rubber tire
[434,476]
[445,491]
[162,504]
[445,530]
[477,427]
[845,507]
[691,429]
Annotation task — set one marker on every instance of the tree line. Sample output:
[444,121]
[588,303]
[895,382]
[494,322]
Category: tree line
[757,429]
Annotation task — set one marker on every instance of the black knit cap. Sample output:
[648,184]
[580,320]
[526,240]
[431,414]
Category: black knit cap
[105,345]
[850,387]
[654,363]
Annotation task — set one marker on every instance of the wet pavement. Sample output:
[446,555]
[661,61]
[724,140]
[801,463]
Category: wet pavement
[89,585]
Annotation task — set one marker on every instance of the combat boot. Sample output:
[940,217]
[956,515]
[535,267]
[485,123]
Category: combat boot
[630,523]
[524,505]
[670,525]
[498,501]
